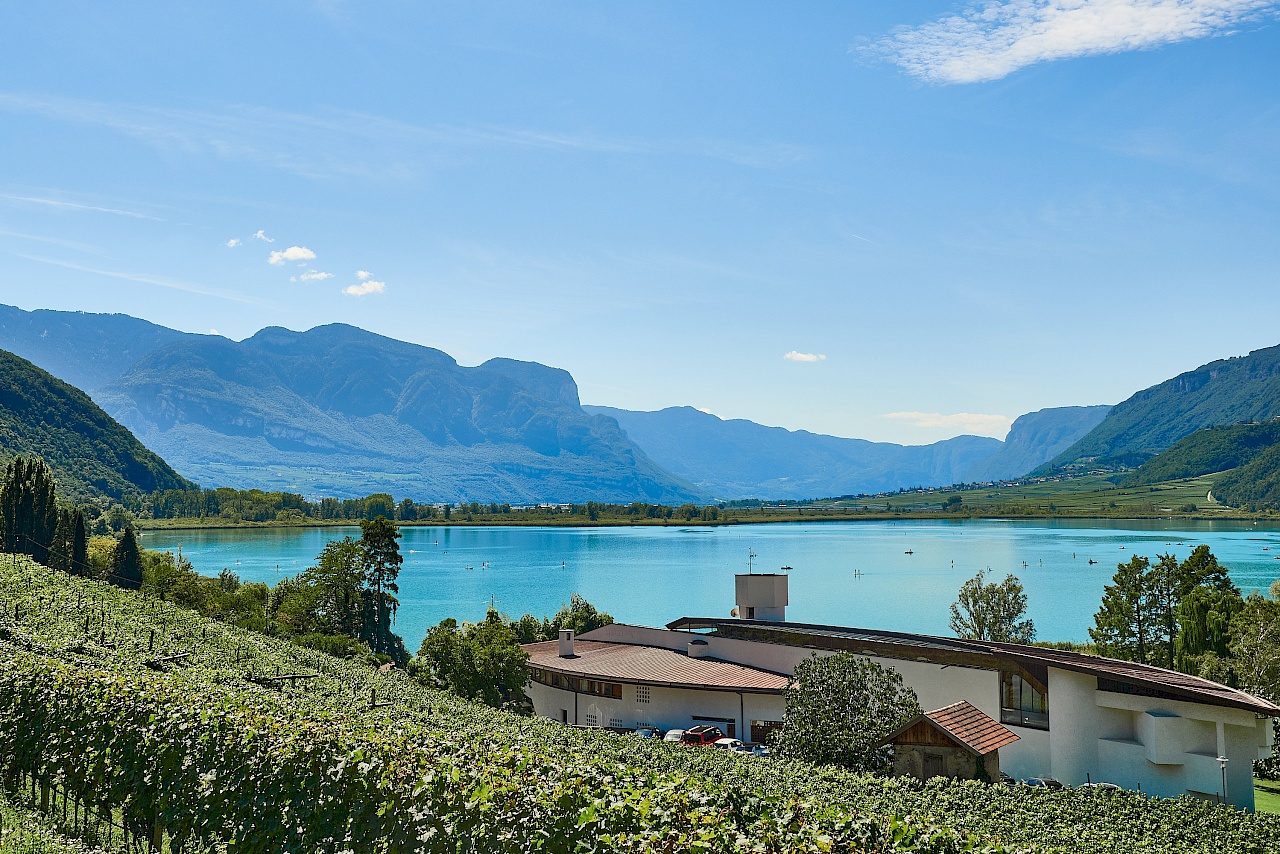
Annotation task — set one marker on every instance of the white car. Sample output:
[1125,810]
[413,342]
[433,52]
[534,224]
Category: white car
[674,735]
[733,745]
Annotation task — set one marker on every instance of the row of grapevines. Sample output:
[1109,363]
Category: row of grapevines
[53,609]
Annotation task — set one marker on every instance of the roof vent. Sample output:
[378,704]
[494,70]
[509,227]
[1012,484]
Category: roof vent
[699,649]
[566,643]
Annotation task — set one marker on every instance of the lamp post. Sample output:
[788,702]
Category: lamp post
[1222,763]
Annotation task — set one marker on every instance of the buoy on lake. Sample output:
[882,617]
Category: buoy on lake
[908,552]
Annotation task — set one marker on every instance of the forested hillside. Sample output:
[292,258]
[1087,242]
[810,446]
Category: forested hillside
[1228,391]
[1213,449]
[89,452]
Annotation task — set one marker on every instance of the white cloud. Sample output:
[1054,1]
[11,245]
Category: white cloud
[313,276]
[232,243]
[262,235]
[363,274]
[965,422]
[795,356]
[989,40]
[364,288]
[293,253]
[214,332]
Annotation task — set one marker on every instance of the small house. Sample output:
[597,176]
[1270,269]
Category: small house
[957,741]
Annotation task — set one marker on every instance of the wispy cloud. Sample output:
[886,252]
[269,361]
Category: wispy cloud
[363,274]
[796,356]
[990,40]
[232,243]
[314,276]
[262,235]
[63,204]
[293,253]
[144,278]
[369,286]
[966,422]
[331,143]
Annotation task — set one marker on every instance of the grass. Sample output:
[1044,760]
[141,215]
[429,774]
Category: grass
[1266,796]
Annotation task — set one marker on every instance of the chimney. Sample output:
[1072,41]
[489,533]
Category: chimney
[566,643]
[699,649]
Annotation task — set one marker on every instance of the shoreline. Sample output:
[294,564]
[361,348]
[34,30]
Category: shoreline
[776,519]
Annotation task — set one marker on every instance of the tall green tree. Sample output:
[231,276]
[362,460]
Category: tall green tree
[992,612]
[79,563]
[126,569]
[338,578]
[838,707]
[382,559]
[1204,625]
[579,615]
[1123,625]
[28,508]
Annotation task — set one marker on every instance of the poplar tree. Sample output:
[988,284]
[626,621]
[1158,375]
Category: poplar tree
[382,566]
[127,567]
[28,509]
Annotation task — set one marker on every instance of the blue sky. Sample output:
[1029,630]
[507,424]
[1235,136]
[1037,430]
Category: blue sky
[900,221]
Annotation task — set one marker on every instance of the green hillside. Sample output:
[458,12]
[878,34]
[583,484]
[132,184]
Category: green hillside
[1207,451]
[1253,486]
[355,759]
[1228,391]
[90,453]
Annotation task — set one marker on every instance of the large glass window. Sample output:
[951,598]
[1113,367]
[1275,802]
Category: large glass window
[1021,703]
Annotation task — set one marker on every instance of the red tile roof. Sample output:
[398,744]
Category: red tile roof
[970,726]
[647,665]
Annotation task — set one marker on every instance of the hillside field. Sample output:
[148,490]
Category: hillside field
[94,703]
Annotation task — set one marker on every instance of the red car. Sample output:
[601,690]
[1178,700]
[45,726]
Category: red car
[702,735]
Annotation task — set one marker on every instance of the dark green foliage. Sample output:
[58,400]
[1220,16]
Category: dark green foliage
[1228,391]
[1255,485]
[838,708]
[126,570]
[28,509]
[993,612]
[481,661]
[1168,615]
[382,561]
[89,452]
[1213,449]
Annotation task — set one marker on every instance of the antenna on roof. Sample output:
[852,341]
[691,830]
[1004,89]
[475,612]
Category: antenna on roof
[751,561]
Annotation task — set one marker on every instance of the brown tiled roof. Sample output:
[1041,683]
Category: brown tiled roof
[647,665]
[970,726]
[1113,674]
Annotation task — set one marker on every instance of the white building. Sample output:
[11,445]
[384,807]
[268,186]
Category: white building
[1079,718]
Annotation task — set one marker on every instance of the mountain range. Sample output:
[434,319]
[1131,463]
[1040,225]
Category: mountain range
[340,411]
[736,458]
[90,453]
[1227,391]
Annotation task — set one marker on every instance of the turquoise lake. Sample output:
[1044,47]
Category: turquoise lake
[653,575]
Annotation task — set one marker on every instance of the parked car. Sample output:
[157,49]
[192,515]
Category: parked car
[701,735]
[1043,782]
[733,745]
[647,732]
[759,749]
[1101,787]
[674,735]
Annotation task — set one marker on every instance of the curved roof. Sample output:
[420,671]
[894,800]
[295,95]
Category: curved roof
[648,665]
[1113,674]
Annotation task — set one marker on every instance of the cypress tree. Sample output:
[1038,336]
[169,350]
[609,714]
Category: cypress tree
[127,568]
[60,547]
[28,509]
[79,563]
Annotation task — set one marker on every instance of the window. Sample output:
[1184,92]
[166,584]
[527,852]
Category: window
[1021,703]
[642,693]
[616,723]
[604,689]
[593,719]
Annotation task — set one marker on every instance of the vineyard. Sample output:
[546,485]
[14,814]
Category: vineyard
[126,718]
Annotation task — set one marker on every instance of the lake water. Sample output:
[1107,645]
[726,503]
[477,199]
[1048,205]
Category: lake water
[653,575]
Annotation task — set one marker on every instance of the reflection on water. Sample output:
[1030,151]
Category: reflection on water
[654,575]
